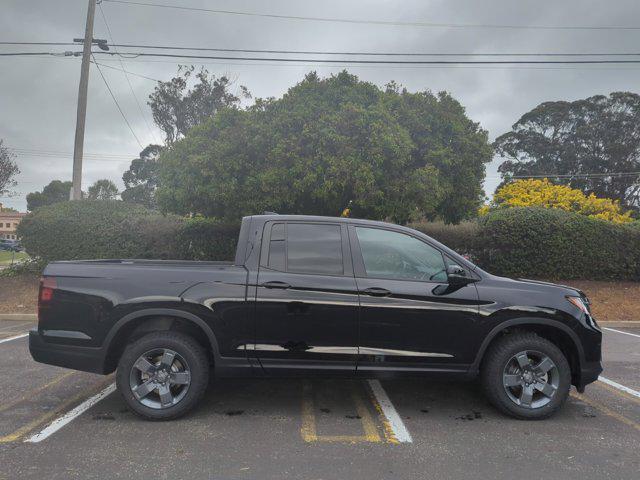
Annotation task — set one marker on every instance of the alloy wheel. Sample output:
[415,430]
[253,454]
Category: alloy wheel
[160,378]
[530,379]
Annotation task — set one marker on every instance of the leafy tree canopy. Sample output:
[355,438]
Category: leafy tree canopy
[57,191]
[103,189]
[176,108]
[592,143]
[8,168]
[543,193]
[326,142]
[141,179]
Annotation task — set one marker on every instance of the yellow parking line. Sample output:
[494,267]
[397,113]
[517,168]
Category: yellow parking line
[606,410]
[35,391]
[308,429]
[26,429]
[620,393]
[370,430]
[388,429]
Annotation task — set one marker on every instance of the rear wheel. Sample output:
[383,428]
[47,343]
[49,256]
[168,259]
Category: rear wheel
[163,375]
[526,376]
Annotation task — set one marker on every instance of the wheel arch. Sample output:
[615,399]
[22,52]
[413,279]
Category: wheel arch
[556,332]
[154,319]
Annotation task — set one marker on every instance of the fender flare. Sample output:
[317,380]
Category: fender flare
[163,312]
[475,366]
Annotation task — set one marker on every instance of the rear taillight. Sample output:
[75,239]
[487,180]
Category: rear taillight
[47,287]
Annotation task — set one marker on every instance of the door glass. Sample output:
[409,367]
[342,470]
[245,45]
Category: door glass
[276,247]
[314,248]
[395,255]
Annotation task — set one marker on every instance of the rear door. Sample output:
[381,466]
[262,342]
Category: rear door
[410,318]
[306,298]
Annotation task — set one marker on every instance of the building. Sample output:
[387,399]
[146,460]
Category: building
[8,223]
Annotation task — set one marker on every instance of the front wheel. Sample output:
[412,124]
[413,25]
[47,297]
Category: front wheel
[526,376]
[163,375]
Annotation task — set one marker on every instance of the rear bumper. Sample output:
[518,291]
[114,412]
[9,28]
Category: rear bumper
[87,359]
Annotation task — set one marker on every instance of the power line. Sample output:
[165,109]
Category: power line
[376,61]
[37,43]
[47,151]
[29,54]
[381,54]
[69,155]
[378,22]
[337,65]
[345,62]
[126,71]
[133,93]
[117,104]
[577,175]
[360,53]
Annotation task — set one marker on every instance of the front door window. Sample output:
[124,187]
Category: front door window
[397,256]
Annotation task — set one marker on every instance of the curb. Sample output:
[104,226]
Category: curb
[630,324]
[26,317]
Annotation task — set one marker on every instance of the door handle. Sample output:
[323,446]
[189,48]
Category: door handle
[377,292]
[276,284]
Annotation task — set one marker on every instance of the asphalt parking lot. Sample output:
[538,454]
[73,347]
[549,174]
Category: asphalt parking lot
[313,429]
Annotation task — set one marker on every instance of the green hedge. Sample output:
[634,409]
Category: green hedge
[90,229]
[207,239]
[463,238]
[518,242]
[549,243]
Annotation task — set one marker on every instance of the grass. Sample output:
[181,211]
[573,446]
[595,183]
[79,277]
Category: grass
[6,257]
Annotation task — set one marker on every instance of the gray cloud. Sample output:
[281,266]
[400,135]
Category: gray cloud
[38,95]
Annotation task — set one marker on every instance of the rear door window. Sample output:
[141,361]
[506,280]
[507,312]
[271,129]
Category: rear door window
[312,248]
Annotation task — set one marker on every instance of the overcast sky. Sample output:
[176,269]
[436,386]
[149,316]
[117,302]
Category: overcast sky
[38,95]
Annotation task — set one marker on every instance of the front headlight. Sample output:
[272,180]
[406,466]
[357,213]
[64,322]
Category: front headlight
[583,306]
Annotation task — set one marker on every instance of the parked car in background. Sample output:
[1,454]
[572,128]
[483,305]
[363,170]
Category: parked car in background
[316,296]
[10,245]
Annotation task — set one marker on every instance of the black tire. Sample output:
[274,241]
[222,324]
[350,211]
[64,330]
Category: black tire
[497,361]
[192,354]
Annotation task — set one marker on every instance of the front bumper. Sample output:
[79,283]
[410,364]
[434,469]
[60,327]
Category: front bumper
[87,359]
[589,373]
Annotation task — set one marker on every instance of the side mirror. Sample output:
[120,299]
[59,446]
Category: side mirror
[458,276]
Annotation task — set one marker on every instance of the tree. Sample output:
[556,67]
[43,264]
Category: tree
[8,169]
[591,144]
[177,109]
[141,179]
[543,193]
[325,143]
[56,191]
[103,189]
[445,138]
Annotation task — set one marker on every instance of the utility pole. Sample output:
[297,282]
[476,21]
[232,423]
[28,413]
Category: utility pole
[78,146]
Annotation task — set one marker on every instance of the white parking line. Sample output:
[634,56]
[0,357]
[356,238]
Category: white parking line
[619,386]
[14,338]
[61,421]
[394,422]
[620,331]
[18,326]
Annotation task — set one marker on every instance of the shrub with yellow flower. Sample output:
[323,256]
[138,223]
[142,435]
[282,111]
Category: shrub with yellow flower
[543,193]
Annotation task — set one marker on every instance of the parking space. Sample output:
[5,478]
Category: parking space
[12,328]
[319,428]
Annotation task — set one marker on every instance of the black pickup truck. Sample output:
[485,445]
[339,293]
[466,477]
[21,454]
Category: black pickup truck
[316,296]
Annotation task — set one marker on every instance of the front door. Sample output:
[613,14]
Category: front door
[306,299]
[410,318]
